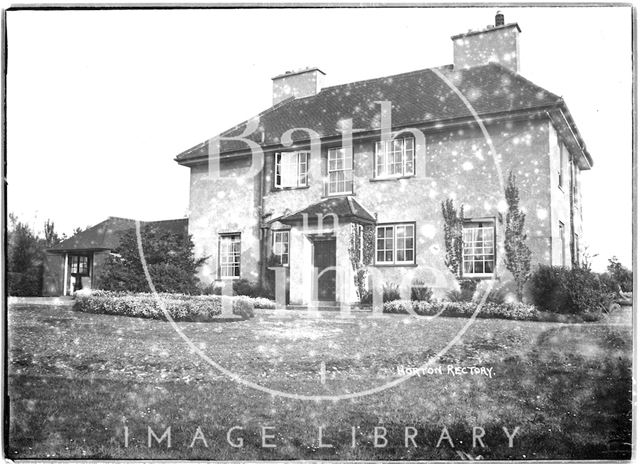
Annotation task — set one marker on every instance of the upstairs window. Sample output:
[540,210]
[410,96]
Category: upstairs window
[340,172]
[395,158]
[292,169]
[229,252]
[281,246]
[395,244]
[478,248]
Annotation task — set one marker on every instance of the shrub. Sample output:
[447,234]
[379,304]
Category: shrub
[513,311]
[420,292]
[366,297]
[568,291]
[466,292]
[28,283]
[618,277]
[210,289]
[390,292]
[145,305]
[247,287]
[495,295]
[169,259]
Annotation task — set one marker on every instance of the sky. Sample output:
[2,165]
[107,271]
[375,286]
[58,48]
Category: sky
[100,102]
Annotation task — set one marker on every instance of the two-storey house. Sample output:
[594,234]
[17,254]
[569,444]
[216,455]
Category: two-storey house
[382,155]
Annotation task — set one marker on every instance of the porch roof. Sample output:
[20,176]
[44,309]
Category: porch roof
[345,207]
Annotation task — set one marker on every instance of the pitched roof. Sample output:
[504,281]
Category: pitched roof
[106,234]
[417,97]
[343,207]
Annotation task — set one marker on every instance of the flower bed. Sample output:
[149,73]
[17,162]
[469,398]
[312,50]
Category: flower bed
[513,311]
[180,307]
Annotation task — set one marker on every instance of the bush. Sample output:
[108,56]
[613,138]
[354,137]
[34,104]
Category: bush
[495,295]
[466,292]
[419,292]
[248,288]
[568,291]
[366,297]
[28,283]
[180,307]
[618,277]
[390,292]
[210,289]
[169,259]
[512,311]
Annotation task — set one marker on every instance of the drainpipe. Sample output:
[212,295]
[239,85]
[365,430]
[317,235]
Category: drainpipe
[66,270]
[571,208]
[261,230]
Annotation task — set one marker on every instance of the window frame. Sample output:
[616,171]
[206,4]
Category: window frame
[394,249]
[300,173]
[221,237]
[348,176]
[274,234]
[377,174]
[74,267]
[491,225]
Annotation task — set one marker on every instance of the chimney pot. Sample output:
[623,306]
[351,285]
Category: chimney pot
[494,44]
[297,84]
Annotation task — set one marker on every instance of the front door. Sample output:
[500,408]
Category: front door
[324,257]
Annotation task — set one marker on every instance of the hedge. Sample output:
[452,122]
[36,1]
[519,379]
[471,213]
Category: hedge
[180,307]
[512,311]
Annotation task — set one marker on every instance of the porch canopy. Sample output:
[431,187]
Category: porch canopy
[345,208]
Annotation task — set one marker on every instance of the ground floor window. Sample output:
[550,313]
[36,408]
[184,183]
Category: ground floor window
[229,252]
[281,246]
[79,265]
[395,244]
[478,248]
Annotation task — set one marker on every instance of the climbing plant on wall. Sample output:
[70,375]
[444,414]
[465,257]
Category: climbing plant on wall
[517,255]
[453,220]
[361,249]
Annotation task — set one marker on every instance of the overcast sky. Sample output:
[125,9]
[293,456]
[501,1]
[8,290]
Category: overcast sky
[100,102]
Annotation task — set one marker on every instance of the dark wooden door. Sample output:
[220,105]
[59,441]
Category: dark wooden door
[324,256]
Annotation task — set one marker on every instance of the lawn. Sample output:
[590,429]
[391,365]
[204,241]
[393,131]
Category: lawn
[77,380]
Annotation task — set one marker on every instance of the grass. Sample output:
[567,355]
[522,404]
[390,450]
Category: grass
[76,379]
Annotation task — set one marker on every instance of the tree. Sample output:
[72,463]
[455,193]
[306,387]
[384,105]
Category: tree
[622,277]
[517,255]
[51,237]
[24,259]
[453,221]
[169,258]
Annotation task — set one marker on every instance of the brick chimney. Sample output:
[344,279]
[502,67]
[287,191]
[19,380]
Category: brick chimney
[498,43]
[298,84]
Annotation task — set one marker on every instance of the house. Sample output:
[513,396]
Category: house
[77,262]
[455,132]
